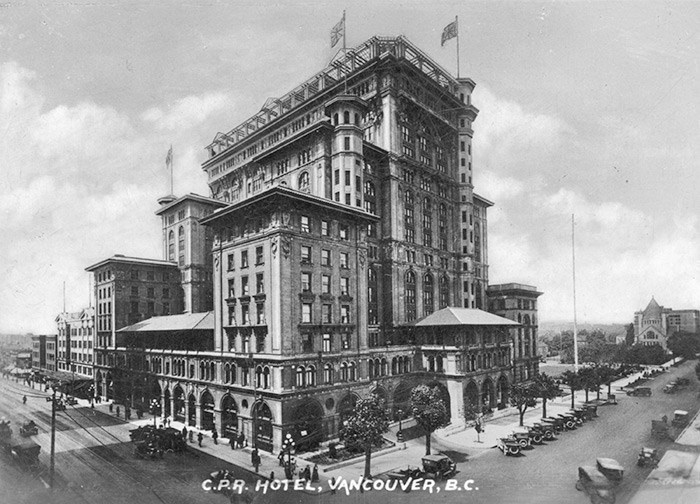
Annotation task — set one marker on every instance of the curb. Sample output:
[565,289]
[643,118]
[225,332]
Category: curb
[354,460]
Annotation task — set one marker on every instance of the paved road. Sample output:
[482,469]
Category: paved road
[95,462]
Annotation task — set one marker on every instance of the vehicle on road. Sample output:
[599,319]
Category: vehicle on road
[594,483]
[404,474]
[546,429]
[611,468]
[522,437]
[569,420]
[28,429]
[648,457]
[680,418]
[25,452]
[535,435]
[509,446]
[670,388]
[438,467]
[556,423]
[639,392]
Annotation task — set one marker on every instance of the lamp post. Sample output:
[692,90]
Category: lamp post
[154,409]
[288,446]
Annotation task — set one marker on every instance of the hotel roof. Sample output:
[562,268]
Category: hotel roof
[181,322]
[452,316]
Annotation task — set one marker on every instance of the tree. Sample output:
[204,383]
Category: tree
[523,396]
[588,379]
[684,344]
[629,336]
[573,381]
[429,411]
[546,389]
[606,374]
[366,427]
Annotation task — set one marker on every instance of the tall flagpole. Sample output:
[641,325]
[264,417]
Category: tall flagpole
[345,53]
[457,24]
[171,170]
[573,257]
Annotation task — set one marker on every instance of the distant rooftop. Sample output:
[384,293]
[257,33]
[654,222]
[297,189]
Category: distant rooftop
[119,258]
[513,286]
[173,201]
[181,322]
[453,316]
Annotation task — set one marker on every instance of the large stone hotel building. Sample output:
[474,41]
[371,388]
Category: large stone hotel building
[342,251]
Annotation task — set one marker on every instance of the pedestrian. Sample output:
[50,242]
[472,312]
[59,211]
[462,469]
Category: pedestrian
[184,432]
[117,411]
[191,436]
[314,474]
[272,475]
[280,458]
[253,454]
[200,436]
[256,463]
[215,436]
[232,442]
[111,407]
[24,400]
[307,473]
[333,485]
[241,439]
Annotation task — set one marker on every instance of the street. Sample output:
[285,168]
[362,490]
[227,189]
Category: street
[95,461]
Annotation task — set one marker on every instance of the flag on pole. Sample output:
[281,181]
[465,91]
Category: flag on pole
[338,31]
[169,157]
[449,32]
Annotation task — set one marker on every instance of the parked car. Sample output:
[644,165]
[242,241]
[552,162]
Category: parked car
[546,429]
[509,446]
[611,468]
[28,429]
[438,467]
[680,418]
[648,456]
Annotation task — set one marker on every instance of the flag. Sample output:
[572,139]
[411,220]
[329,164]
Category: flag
[169,157]
[338,31]
[449,32]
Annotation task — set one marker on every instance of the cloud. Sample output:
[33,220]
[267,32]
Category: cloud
[187,112]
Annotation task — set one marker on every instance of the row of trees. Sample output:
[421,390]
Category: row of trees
[370,421]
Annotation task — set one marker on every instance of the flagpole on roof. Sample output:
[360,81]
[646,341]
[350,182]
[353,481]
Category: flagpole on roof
[171,170]
[345,54]
[457,24]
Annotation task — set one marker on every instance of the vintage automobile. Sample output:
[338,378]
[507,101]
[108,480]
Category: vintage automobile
[218,476]
[28,429]
[680,418]
[580,415]
[546,429]
[611,468]
[648,456]
[671,388]
[639,392]
[438,467]
[522,437]
[594,483]
[569,420]
[534,435]
[591,410]
[147,450]
[71,401]
[509,446]
[556,423]
[404,474]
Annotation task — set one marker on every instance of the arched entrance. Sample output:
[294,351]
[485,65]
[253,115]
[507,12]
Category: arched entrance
[308,425]
[229,417]
[502,389]
[471,399]
[262,426]
[380,392]
[179,404]
[402,401]
[166,403]
[488,398]
[192,410]
[207,404]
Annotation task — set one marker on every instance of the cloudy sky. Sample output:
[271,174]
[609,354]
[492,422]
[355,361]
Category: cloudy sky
[588,108]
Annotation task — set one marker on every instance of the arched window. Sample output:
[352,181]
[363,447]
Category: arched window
[258,377]
[301,373]
[266,378]
[227,373]
[357,119]
[201,371]
[352,371]
[212,371]
[311,376]
[327,374]
[181,245]
[428,294]
[384,367]
[171,245]
[444,292]
[346,117]
[304,182]
[438,364]
[233,373]
[344,372]
[335,119]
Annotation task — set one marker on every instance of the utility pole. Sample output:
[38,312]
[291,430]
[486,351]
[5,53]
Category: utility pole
[53,436]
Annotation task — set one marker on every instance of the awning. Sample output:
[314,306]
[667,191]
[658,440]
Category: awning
[182,322]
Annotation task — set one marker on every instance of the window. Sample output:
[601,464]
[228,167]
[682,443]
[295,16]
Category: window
[305,254]
[305,228]
[327,374]
[171,246]
[150,275]
[324,228]
[311,376]
[327,314]
[231,316]
[326,343]
[245,314]
[259,256]
[260,316]
[344,260]
[231,287]
[166,292]
[325,257]
[134,290]
[410,296]
[428,295]
[230,262]
[346,143]
[344,286]
[134,274]
[336,177]
[345,314]
[347,177]
[325,284]
[260,283]
[244,258]
[306,282]
[304,182]
[343,231]
[181,245]
[245,291]
[306,313]
[150,292]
